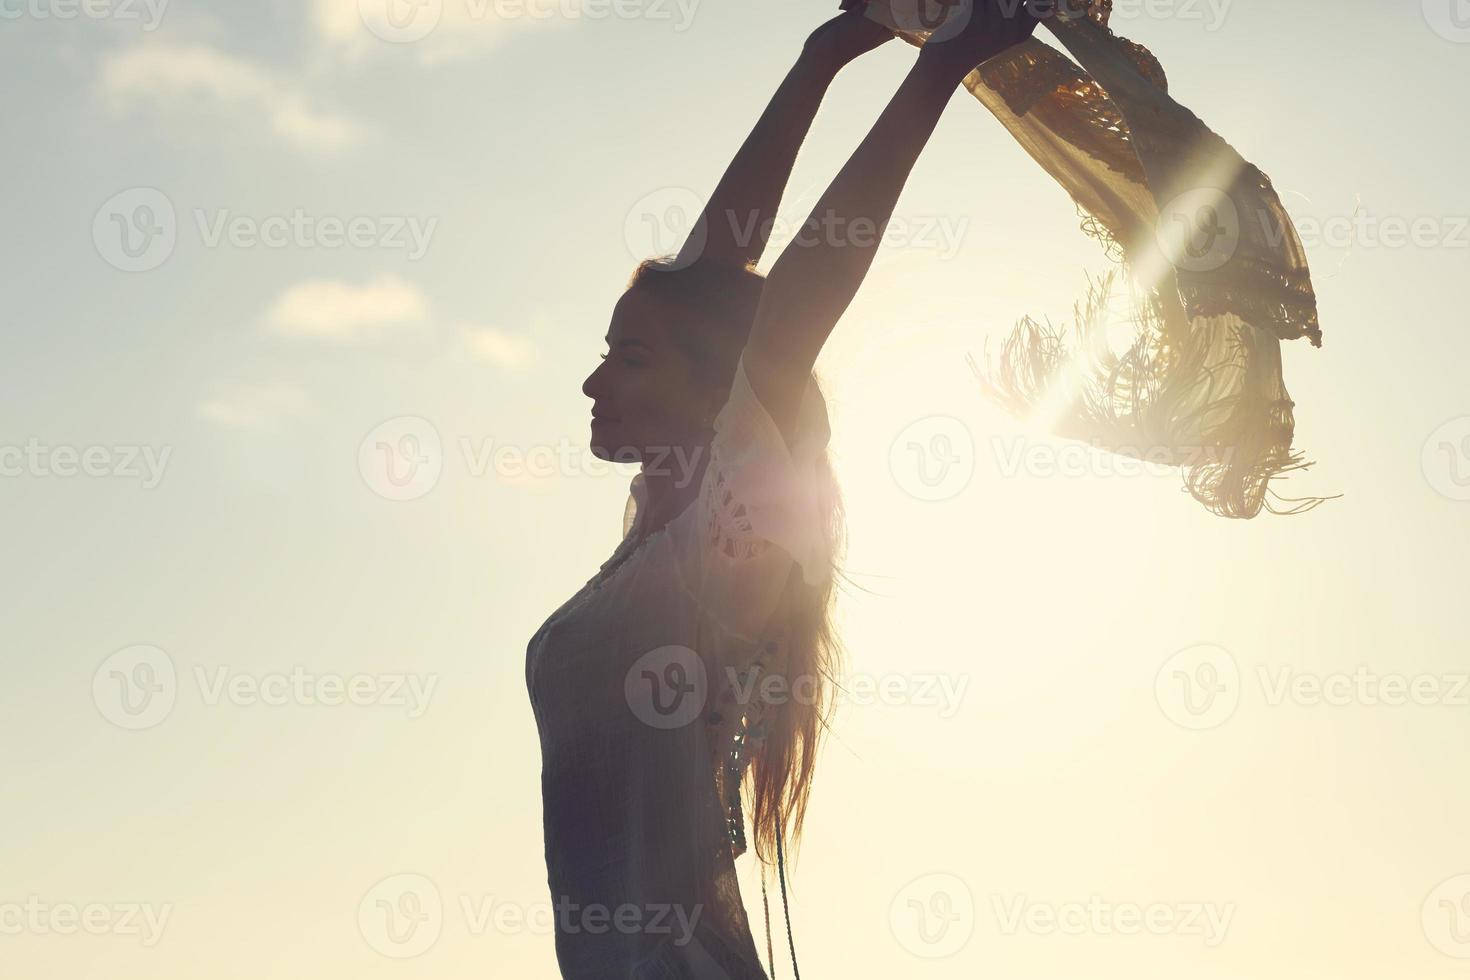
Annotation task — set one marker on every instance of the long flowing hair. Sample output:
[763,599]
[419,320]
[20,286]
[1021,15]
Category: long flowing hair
[722,302]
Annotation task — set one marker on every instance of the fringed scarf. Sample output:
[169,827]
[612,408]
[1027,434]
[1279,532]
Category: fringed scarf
[1212,276]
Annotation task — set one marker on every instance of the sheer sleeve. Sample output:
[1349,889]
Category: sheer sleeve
[759,509]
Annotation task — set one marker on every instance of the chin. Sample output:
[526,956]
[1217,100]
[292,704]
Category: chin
[607,447]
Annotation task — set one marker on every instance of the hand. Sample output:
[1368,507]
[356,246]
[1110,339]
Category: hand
[844,39]
[968,32]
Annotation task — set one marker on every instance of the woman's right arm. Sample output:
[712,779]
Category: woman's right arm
[738,218]
[817,276]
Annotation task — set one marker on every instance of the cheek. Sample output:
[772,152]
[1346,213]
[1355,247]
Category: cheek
[661,407]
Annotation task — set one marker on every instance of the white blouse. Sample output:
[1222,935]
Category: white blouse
[638,684]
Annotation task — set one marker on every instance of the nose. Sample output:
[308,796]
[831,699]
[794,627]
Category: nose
[596,384]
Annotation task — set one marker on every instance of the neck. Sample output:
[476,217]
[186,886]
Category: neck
[670,485]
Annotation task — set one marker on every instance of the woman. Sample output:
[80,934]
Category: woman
[702,648]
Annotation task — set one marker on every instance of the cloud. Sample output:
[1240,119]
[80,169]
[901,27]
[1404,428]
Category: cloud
[339,310]
[170,75]
[255,407]
[436,30]
[497,347]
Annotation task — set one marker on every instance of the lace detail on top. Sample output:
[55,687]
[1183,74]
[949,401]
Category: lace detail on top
[727,523]
[758,492]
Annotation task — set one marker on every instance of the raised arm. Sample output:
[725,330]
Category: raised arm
[737,221]
[819,273]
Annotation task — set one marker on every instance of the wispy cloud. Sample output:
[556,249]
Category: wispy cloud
[437,30]
[255,407]
[338,310]
[173,75]
[498,347]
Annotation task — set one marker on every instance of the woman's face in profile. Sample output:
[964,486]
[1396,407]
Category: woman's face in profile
[645,399]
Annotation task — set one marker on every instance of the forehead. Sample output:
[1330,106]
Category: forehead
[642,316]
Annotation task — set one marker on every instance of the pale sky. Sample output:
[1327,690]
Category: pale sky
[248,243]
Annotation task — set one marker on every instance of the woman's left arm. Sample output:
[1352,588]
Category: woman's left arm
[820,272]
[737,221]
